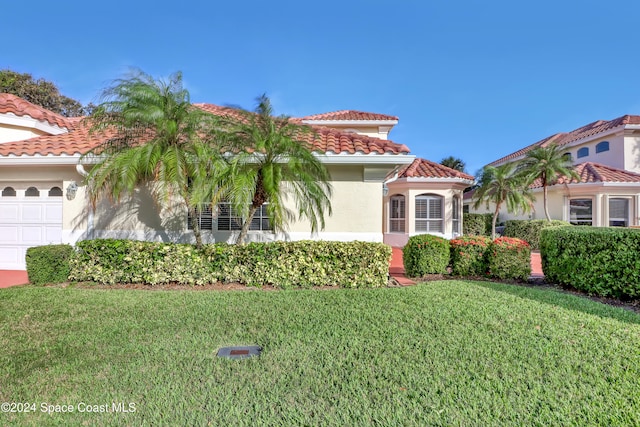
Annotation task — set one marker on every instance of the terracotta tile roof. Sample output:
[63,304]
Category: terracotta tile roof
[590,172]
[586,131]
[14,104]
[79,141]
[348,115]
[329,140]
[422,168]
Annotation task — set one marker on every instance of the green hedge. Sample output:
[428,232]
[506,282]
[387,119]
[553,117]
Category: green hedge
[509,258]
[474,224]
[529,229]
[282,264]
[425,254]
[600,261]
[468,255]
[48,264]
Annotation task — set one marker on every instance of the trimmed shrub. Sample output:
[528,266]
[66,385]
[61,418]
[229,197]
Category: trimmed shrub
[468,255]
[48,264]
[509,258]
[474,224]
[281,264]
[425,254]
[598,260]
[529,229]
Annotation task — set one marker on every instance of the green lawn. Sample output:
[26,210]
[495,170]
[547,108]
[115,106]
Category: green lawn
[441,353]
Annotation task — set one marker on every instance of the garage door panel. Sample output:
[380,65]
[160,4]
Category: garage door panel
[32,213]
[53,213]
[11,256]
[9,234]
[31,235]
[53,234]
[9,212]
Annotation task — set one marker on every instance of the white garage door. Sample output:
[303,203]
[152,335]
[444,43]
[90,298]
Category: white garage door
[30,215]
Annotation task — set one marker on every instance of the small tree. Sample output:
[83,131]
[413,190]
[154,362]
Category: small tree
[454,163]
[274,161]
[547,164]
[503,186]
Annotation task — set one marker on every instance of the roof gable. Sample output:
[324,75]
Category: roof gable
[586,131]
[422,168]
[16,106]
[590,172]
[349,115]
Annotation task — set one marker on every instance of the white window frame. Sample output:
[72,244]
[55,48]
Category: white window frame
[625,220]
[455,216]
[398,213]
[425,222]
[229,220]
[581,220]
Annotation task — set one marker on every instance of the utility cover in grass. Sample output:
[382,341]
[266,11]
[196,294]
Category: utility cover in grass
[239,352]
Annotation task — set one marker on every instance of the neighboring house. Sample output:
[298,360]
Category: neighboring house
[606,156]
[423,197]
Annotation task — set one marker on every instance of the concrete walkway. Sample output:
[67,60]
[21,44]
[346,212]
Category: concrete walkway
[12,278]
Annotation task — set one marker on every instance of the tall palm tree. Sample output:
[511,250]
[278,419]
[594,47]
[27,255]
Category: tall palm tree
[503,186]
[454,163]
[272,162]
[547,164]
[156,137]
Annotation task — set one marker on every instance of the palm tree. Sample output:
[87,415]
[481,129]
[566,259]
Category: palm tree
[155,138]
[547,164]
[453,163]
[274,161]
[502,185]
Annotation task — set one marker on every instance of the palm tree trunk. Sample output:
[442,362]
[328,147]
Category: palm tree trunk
[245,226]
[493,222]
[546,208]
[195,225]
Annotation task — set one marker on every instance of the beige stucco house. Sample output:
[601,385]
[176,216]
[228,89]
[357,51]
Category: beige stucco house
[381,192]
[606,156]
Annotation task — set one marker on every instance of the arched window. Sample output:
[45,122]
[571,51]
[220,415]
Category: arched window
[583,152]
[567,156]
[55,192]
[429,213]
[602,146]
[8,192]
[32,192]
[397,214]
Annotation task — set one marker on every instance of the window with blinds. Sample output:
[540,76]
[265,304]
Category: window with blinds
[397,214]
[455,206]
[429,214]
[204,215]
[230,220]
[581,211]
[618,212]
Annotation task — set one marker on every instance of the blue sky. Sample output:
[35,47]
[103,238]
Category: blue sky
[472,79]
